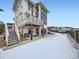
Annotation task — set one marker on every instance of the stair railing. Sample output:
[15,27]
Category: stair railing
[17,32]
[6,34]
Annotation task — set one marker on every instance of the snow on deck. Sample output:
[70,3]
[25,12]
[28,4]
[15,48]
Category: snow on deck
[55,47]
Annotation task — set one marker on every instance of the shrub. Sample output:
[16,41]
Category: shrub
[2,28]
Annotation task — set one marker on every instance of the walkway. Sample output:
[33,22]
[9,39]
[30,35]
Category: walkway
[55,47]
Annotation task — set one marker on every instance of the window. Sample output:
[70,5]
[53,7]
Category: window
[20,16]
[28,5]
[45,22]
[27,15]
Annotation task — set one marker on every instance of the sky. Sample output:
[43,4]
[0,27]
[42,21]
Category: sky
[61,12]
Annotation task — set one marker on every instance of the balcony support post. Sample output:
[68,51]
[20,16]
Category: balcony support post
[40,31]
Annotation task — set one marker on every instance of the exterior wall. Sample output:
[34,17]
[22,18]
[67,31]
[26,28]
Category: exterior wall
[22,9]
[44,16]
[35,11]
[39,13]
[19,12]
[25,30]
[35,31]
[25,6]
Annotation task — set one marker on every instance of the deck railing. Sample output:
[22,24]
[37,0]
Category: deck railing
[17,32]
[34,21]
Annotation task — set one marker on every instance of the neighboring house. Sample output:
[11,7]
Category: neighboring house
[64,29]
[53,29]
[61,29]
[73,32]
[29,14]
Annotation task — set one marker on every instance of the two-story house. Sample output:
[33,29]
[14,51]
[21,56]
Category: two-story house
[30,15]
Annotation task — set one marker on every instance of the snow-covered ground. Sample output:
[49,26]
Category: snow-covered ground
[55,47]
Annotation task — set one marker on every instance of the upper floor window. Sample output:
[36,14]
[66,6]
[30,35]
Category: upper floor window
[20,16]
[28,5]
[27,15]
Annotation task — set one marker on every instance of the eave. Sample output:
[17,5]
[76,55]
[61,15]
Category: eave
[42,5]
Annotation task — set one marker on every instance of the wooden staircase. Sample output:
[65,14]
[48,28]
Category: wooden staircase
[12,38]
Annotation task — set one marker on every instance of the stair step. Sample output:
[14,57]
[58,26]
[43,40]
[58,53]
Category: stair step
[12,34]
[12,39]
[12,43]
